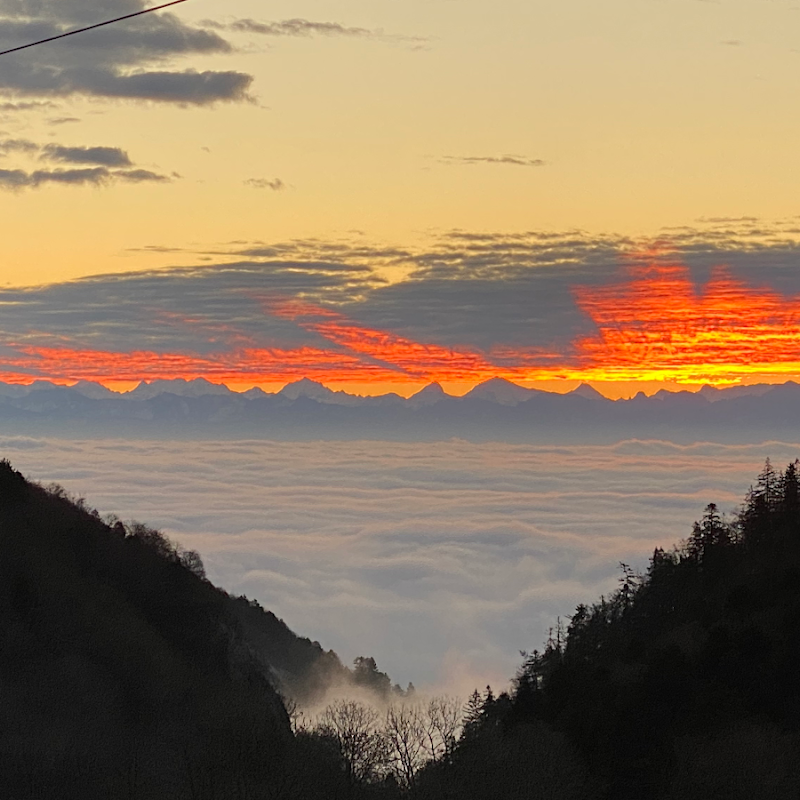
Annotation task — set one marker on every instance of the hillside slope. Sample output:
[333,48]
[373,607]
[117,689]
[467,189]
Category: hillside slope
[122,671]
[682,685]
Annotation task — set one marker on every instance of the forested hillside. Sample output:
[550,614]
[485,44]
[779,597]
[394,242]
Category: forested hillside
[683,684]
[124,673]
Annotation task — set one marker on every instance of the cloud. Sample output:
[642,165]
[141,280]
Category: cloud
[17,146]
[512,160]
[727,220]
[722,302]
[189,310]
[108,165]
[31,105]
[306,28]
[297,27]
[93,176]
[142,176]
[417,554]
[104,165]
[104,156]
[120,61]
[409,358]
[182,88]
[277,185]
[19,179]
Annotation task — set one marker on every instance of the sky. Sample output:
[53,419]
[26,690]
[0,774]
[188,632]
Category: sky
[442,561]
[378,195]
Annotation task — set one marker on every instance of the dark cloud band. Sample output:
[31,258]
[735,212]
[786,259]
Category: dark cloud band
[94,166]
[94,176]
[472,292]
[116,61]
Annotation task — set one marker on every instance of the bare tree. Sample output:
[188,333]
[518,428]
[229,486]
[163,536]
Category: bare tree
[442,723]
[297,717]
[405,733]
[408,736]
[419,733]
[361,740]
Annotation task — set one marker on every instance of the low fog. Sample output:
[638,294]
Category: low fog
[442,561]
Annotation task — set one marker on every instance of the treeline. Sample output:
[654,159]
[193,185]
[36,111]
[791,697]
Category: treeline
[304,670]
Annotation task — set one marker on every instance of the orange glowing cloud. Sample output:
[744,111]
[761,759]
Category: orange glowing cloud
[428,362]
[658,326]
[248,365]
[653,325]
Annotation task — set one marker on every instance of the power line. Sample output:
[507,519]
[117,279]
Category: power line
[91,27]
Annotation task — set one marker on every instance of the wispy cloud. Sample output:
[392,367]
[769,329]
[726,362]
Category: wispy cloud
[297,27]
[510,159]
[307,28]
[30,105]
[18,146]
[62,120]
[276,184]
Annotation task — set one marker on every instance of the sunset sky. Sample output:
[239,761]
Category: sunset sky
[377,195]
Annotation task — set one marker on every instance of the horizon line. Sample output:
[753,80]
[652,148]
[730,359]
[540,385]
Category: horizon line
[114,386]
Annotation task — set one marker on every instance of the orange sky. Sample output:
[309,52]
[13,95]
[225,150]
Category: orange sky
[388,123]
[654,328]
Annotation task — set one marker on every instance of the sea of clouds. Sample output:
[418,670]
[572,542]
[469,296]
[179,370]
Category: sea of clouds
[441,560]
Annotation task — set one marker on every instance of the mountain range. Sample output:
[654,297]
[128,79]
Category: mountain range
[496,410]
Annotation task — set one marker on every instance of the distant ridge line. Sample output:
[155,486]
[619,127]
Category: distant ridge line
[494,390]
[199,409]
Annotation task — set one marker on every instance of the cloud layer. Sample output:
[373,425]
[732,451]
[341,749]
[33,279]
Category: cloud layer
[135,59]
[718,305]
[93,166]
[442,561]
[126,61]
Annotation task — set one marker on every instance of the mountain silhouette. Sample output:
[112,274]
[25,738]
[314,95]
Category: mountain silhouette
[427,396]
[501,391]
[587,391]
[496,410]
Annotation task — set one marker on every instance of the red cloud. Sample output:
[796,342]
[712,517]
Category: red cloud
[654,324]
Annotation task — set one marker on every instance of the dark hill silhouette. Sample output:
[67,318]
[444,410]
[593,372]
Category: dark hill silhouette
[122,673]
[125,673]
[302,669]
